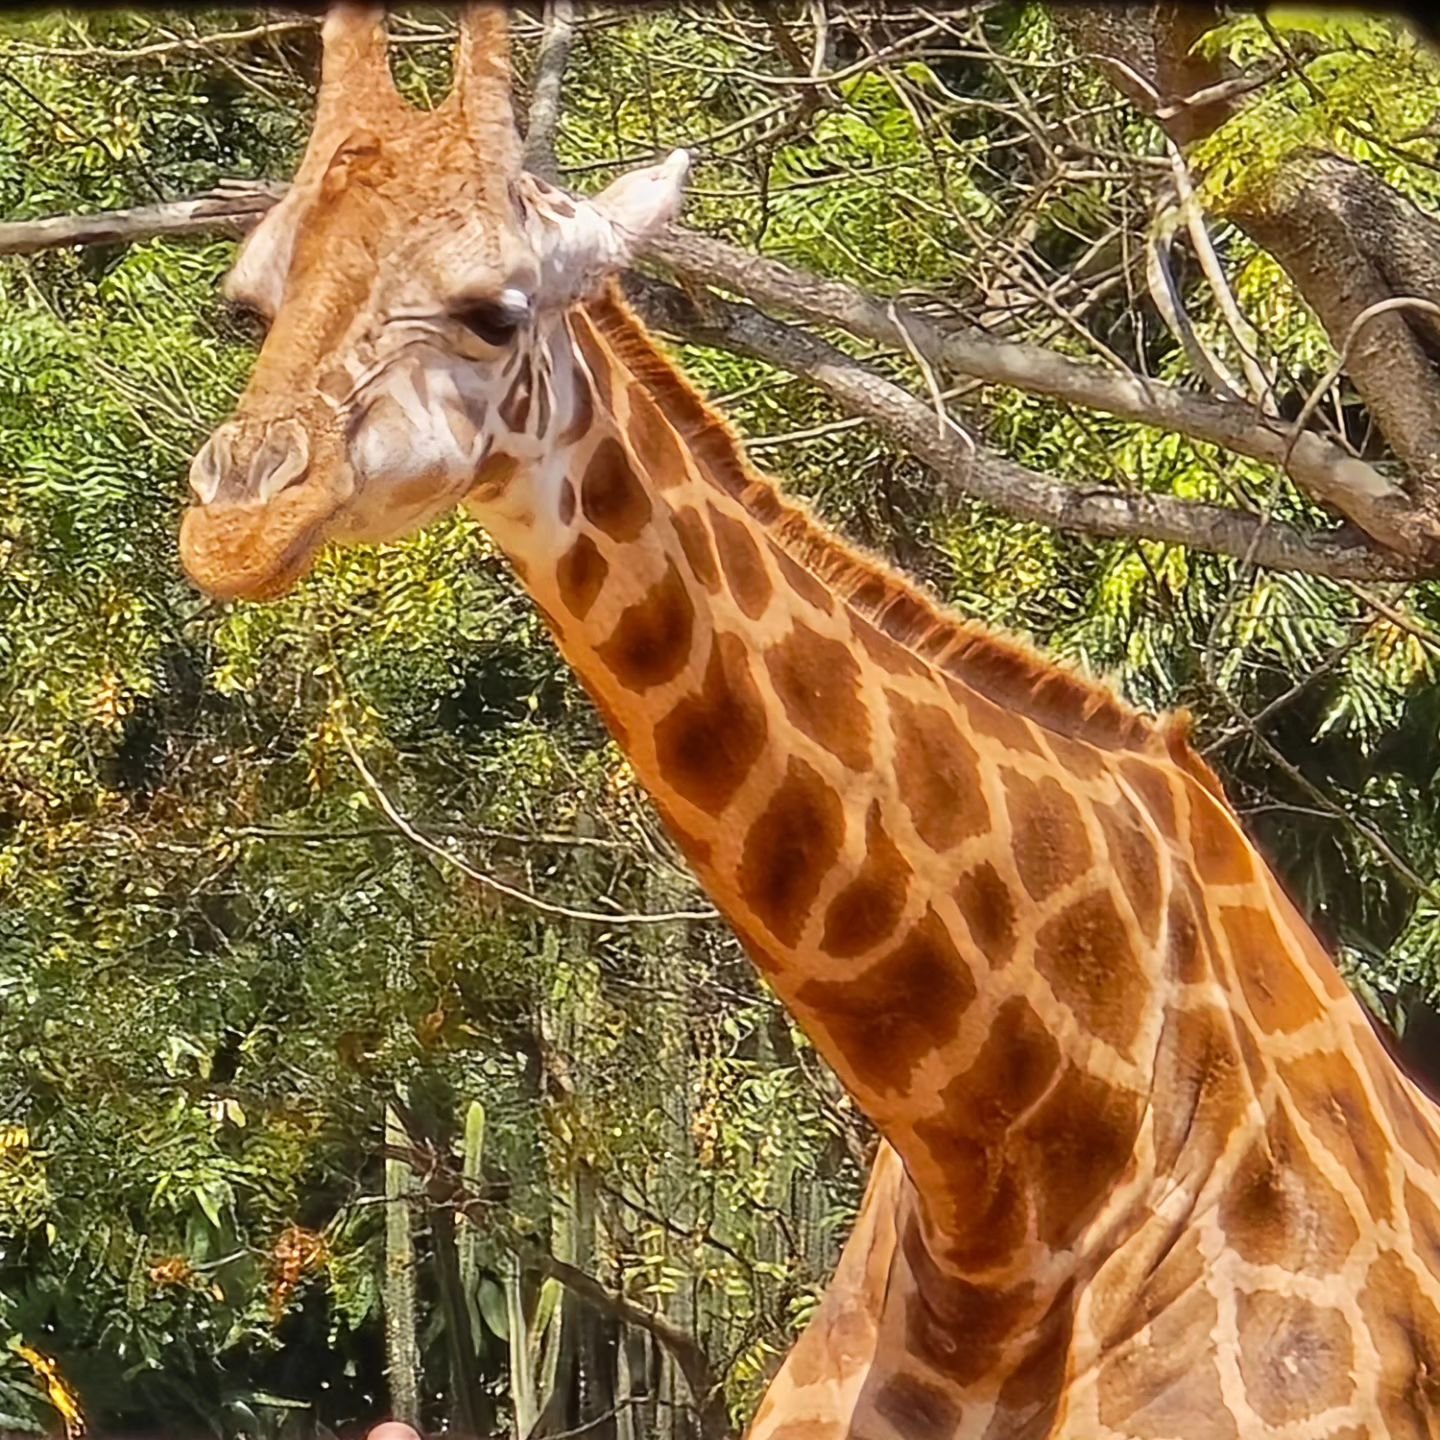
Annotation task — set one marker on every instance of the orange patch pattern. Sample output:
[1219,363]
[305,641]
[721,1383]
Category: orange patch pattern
[1276,990]
[654,442]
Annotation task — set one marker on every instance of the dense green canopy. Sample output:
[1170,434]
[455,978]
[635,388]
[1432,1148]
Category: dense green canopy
[240,1010]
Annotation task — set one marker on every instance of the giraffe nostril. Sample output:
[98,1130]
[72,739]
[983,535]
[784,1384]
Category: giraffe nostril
[282,459]
[209,466]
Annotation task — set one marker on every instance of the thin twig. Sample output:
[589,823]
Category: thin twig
[423,842]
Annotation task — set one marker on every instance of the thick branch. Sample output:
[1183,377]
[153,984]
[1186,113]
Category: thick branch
[231,209]
[1324,471]
[1347,240]
[988,476]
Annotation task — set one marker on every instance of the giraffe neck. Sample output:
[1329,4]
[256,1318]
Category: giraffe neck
[889,844]
[1032,951]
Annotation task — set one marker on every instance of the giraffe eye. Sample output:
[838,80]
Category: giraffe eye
[493,321]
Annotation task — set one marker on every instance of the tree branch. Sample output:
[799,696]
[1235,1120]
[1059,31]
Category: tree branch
[1323,470]
[232,208]
[985,475]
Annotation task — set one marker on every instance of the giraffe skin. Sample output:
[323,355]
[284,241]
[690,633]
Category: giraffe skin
[1147,1172]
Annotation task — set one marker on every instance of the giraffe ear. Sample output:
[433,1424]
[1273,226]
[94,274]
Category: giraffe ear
[644,202]
[580,242]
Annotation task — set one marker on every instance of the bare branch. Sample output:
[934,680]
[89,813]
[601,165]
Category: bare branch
[993,478]
[208,42]
[1323,470]
[230,209]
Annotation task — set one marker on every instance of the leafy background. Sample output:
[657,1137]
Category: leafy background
[233,998]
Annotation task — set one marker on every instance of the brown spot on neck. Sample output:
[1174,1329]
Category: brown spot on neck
[708,743]
[868,909]
[655,444]
[916,1407]
[818,683]
[515,407]
[582,411]
[651,641]
[1280,1210]
[695,542]
[580,576]
[989,910]
[801,581]
[1134,860]
[1331,1099]
[1087,955]
[1199,1091]
[882,1023]
[1276,990]
[790,849]
[1297,1359]
[937,772]
[611,495]
[740,560]
[597,361]
[1048,836]
[1405,1327]
[983,1216]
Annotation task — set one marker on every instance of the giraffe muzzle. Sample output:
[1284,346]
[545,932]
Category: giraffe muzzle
[262,509]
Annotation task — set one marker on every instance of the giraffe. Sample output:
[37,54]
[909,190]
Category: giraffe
[1146,1170]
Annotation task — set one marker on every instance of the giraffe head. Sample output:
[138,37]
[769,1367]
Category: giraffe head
[409,277]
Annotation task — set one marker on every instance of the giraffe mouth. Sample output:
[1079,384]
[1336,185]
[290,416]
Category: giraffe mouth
[249,552]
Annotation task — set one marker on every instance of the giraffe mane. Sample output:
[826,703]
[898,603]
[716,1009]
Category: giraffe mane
[1003,670]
